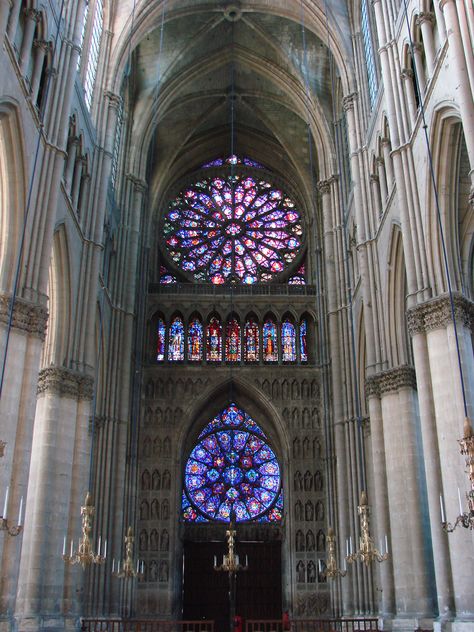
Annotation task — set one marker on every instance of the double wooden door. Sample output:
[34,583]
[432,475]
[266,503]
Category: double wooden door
[206,591]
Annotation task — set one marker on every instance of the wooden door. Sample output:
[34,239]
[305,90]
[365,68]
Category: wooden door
[206,591]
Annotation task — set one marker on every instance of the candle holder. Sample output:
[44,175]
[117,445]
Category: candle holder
[128,570]
[367,552]
[332,571]
[465,518]
[12,530]
[85,554]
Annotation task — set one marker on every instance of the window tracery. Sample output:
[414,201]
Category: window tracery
[232,228]
[232,469]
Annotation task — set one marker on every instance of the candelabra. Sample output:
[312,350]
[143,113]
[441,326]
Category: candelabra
[331,570]
[465,518]
[128,570]
[85,554]
[231,565]
[367,552]
[4,524]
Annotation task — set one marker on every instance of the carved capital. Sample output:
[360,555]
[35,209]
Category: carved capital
[374,178]
[437,314]
[42,45]
[114,99]
[28,317]
[324,187]
[348,101]
[390,381]
[407,73]
[32,14]
[425,16]
[65,383]
[139,184]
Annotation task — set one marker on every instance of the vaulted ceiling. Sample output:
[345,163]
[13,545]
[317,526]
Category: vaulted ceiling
[267,69]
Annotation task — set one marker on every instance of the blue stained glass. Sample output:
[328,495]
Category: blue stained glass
[195,338]
[232,468]
[220,214]
[303,341]
[160,347]
[288,341]
[176,340]
[270,348]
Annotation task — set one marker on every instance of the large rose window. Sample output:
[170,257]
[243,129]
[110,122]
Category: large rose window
[234,228]
[232,468]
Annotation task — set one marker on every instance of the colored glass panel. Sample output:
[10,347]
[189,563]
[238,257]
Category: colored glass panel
[166,278]
[288,341]
[160,347]
[299,278]
[232,468]
[195,337]
[252,341]
[232,341]
[270,346]
[176,340]
[214,340]
[232,160]
[303,340]
[232,229]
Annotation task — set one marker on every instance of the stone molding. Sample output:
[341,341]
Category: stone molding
[437,314]
[65,383]
[348,101]
[28,317]
[390,381]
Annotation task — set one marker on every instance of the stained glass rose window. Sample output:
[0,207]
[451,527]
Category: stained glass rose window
[232,468]
[234,228]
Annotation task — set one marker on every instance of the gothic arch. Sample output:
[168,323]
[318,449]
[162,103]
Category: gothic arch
[56,347]
[12,190]
[398,348]
[451,168]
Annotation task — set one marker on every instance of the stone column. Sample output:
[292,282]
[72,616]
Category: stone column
[13,19]
[70,163]
[386,591]
[388,162]
[76,182]
[434,317]
[425,22]
[17,406]
[5,7]
[32,18]
[58,483]
[375,184]
[41,47]
[408,79]
[459,69]
[444,586]
[412,562]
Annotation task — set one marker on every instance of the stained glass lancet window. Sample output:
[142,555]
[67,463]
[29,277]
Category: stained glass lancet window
[176,340]
[288,341]
[161,334]
[195,336]
[234,228]
[270,343]
[303,340]
[232,467]
[232,341]
[214,340]
[252,341]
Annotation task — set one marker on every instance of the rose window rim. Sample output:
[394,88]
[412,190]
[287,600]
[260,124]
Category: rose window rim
[276,182]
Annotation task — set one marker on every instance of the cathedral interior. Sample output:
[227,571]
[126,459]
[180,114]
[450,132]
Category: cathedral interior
[236,299]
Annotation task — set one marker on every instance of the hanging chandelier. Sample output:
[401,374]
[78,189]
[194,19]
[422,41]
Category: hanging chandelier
[129,570]
[4,524]
[332,571]
[367,552]
[85,555]
[465,518]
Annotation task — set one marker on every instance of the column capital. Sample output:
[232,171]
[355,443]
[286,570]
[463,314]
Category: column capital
[407,73]
[140,185]
[436,314]
[390,381]
[425,16]
[30,318]
[43,45]
[114,99]
[374,178]
[32,14]
[348,101]
[64,382]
